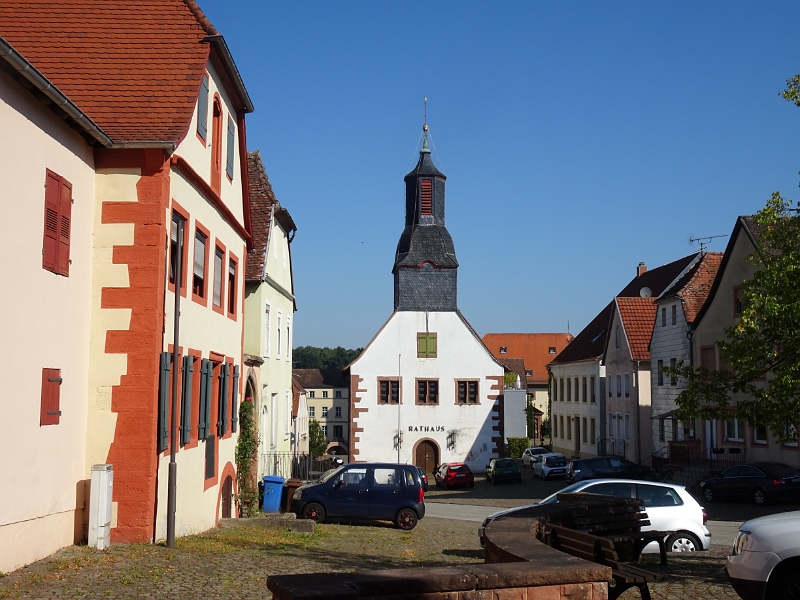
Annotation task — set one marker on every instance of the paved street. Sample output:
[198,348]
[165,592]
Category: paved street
[235,562]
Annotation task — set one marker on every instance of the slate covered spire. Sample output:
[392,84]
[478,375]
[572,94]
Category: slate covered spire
[425,265]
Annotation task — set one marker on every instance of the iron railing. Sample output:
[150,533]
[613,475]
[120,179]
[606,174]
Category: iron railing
[293,465]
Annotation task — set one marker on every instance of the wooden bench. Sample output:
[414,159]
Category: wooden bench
[620,520]
[601,550]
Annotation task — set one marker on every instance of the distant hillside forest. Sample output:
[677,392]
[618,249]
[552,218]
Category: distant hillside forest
[311,357]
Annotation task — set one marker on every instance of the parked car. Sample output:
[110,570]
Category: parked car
[530,454]
[378,491]
[606,466]
[669,508]
[503,469]
[763,563]
[424,476]
[759,482]
[454,474]
[547,465]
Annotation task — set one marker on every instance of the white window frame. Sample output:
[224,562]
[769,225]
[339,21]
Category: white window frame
[278,329]
[325,412]
[738,428]
[288,420]
[267,318]
[288,337]
[312,412]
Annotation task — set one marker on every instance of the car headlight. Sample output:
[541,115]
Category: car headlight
[741,540]
[297,494]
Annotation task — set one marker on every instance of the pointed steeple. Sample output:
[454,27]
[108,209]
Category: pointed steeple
[425,263]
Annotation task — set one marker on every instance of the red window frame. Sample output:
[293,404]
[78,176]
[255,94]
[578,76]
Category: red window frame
[216,144]
[221,307]
[233,295]
[202,300]
[184,214]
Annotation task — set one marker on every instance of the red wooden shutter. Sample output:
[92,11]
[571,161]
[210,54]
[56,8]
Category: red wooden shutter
[52,202]
[65,216]
[426,195]
[51,397]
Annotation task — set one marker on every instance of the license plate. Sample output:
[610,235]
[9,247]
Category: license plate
[557,471]
[460,475]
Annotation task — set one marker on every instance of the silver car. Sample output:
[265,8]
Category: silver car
[765,557]
[530,455]
[669,507]
[550,465]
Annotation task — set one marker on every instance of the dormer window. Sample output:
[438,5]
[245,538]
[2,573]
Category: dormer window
[551,350]
[426,197]
[503,350]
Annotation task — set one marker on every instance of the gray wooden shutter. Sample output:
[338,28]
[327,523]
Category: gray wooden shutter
[202,429]
[235,399]
[186,399]
[202,109]
[163,401]
[231,135]
[222,423]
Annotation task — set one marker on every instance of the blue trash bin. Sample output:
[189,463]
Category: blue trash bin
[273,486]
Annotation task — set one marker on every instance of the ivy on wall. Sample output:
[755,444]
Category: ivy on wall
[246,454]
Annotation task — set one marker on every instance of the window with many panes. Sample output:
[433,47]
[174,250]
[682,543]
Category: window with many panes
[324,394]
[427,391]
[760,434]
[324,411]
[388,391]
[311,394]
[466,392]
[337,394]
[325,430]
[312,411]
[338,412]
[337,432]
[734,430]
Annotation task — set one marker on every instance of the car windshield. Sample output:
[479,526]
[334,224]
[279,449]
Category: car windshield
[553,498]
[555,461]
[505,463]
[330,473]
[458,468]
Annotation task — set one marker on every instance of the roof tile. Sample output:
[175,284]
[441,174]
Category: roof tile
[638,315]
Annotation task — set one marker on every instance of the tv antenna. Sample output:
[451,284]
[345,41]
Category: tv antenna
[705,241]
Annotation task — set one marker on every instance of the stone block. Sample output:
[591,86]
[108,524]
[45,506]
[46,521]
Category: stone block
[545,592]
[577,591]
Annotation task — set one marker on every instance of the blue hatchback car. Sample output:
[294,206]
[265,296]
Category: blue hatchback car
[376,491]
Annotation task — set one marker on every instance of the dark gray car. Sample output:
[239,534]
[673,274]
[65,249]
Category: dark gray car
[606,467]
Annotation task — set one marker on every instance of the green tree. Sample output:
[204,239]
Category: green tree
[317,444]
[311,357]
[762,350]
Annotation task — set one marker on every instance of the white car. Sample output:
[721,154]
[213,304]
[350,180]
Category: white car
[765,558]
[669,507]
[530,455]
[552,464]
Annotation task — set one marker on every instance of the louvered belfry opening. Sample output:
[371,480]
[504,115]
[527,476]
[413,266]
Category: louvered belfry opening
[426,197]
[425,266]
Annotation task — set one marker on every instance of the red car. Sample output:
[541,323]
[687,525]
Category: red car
[453,474]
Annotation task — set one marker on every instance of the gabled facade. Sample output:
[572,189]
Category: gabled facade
[328,402]
[677,308]
[426,390]
[627,362]
[269,320]
[578,389]
[157,145]
[749,441]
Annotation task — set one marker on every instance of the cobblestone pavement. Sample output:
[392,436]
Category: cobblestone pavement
[235,562]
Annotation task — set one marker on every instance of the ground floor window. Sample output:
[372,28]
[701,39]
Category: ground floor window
[733,430]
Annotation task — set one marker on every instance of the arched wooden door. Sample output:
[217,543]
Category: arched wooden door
[227,497]
[427,456]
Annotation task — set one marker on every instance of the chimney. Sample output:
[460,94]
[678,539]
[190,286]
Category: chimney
[641,269]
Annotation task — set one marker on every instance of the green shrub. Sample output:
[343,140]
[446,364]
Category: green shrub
[517,445]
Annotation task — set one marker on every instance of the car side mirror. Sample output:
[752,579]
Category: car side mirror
[338,484]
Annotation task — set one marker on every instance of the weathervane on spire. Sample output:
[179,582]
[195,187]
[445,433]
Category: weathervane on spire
[425,125]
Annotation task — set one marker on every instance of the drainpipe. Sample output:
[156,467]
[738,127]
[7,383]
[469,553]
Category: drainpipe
[638,417]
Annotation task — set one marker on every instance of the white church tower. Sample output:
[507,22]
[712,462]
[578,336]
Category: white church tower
[426,390]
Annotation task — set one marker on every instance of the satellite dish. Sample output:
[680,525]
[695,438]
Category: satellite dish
[645,292]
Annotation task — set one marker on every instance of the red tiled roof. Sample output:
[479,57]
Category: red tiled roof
[133,67]
[693,288]
[320,378]
[637,316]
[590,343]
[533,348]
[262,201]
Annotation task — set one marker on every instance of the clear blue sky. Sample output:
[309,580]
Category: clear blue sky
[578,139]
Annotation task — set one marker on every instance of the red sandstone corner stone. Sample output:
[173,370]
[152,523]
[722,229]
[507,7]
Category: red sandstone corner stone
[510,594]
[577,591]
[545,592]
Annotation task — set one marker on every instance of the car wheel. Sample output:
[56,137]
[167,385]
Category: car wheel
[708,494]
[759,497]
[785,588]
[683,542]
[314,511]
[406,519]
